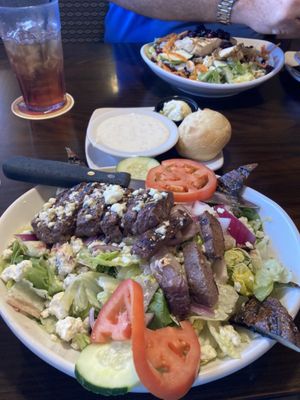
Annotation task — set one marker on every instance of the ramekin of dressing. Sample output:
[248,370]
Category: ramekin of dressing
[125,133]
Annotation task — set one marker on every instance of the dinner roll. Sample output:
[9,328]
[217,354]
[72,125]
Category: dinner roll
[203,134]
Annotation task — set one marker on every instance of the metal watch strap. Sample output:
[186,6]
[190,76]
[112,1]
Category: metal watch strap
[224,11]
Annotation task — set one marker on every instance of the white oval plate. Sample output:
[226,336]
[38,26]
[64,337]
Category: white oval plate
[218,89]
[280,228]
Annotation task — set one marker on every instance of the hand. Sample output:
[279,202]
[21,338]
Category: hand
[277,17]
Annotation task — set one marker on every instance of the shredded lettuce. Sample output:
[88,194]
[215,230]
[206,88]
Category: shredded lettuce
[42,276]
[81,295]
[108,285]
[271,271]
[159,308]
[80,341]
[106,259]
[18,252]
[227,338]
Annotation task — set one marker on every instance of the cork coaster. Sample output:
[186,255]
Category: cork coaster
[39,116]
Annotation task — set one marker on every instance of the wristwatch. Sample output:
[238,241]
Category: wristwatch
[224,11]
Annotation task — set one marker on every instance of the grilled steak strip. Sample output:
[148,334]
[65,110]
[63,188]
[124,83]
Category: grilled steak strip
[269,318]
[212,236]
[152,240]
[90,214]
[170,275]
[56,221]
[203,288]
[155,210]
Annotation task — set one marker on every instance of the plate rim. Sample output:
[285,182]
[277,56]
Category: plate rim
[230,366]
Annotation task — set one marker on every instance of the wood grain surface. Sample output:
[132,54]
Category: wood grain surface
[266,130]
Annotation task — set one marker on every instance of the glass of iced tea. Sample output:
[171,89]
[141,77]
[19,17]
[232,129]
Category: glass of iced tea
[30,30]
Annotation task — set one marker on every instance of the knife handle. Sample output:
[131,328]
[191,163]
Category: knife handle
[57,173]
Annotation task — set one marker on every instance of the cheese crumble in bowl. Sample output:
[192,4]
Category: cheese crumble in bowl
[123,133]
[176,107]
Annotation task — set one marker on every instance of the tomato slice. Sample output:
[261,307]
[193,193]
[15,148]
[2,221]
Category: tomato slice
[167,360]
[187,179]
[115,317]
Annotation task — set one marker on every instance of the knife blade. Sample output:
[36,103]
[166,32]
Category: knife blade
[62,174]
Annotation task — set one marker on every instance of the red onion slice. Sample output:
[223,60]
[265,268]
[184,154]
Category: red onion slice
[27,237]
[236,228]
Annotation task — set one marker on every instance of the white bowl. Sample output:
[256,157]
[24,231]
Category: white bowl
[278,226]
[169,142]
[218,89]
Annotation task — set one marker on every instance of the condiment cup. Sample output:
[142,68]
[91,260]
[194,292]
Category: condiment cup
[192,103]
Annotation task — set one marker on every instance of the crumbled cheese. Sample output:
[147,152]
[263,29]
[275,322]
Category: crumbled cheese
[64,259]
[16,272]
[229,333]
[68,328]
[220,210]
[237,286]
[139,205]
[56,306]
[137,192]
[161,230]
[157,195]
[76,244]
[118,208]
[208,353]
[113,194]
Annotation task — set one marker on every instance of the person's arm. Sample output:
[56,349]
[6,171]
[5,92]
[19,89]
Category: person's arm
[181,10]
[280,17]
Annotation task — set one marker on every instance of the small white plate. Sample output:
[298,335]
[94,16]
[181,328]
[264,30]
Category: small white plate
[97,159]
[291,61]
[122,147]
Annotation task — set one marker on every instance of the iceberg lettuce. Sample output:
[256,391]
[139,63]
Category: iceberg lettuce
[42,276]
[81,295]
[270,272]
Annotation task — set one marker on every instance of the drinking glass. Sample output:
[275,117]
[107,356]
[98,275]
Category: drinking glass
[31,33]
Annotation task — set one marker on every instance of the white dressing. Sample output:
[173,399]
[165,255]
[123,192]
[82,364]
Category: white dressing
[131,132]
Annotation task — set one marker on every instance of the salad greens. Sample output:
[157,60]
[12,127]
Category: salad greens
[208,57]
[64,287]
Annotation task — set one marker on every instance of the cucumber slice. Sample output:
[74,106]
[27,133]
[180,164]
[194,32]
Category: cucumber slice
[107,369]
[137,167]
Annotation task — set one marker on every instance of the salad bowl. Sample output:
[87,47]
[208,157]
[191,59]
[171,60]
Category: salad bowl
[207,89]
[278,226]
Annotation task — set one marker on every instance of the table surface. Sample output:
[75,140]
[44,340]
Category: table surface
[266,130]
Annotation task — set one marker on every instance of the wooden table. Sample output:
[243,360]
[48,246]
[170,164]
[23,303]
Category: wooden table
[266,129]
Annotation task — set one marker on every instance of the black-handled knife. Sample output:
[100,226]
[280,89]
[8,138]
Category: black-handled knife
[57,173]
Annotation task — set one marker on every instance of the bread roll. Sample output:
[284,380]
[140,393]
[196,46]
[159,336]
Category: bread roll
[203,134]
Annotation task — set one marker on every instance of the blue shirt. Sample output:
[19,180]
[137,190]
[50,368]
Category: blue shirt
[122,25]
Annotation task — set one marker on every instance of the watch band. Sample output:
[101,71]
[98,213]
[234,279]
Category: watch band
[224,11]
